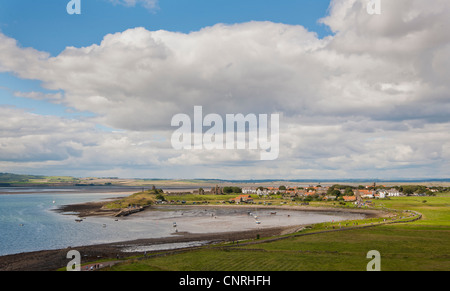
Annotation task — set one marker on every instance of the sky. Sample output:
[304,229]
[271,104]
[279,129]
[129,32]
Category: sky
[359,95]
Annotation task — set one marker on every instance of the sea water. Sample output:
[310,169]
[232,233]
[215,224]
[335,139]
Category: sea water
[29,222]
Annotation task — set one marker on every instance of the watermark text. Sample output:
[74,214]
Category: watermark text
[374,7]
[191,135]
[75,263]
[74,7]
[375,263]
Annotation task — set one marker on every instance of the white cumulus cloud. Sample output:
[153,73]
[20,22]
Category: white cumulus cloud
[370,100]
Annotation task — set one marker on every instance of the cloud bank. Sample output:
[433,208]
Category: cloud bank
[369,101]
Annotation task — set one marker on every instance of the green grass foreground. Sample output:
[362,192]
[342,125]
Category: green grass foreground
[422,245]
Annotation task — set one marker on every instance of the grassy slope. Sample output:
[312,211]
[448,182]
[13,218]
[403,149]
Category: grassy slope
[145,198]
[421,245]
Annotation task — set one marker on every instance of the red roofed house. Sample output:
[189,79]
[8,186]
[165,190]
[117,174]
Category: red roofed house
[349,198]
[365,193]
[242,198]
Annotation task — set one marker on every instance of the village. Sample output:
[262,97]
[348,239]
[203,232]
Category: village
[361,195]
[320,193]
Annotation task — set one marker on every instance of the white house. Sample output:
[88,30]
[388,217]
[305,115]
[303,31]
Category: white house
[381,195]
[260,192]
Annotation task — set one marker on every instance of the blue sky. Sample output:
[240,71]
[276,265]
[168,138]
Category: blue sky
[46,26]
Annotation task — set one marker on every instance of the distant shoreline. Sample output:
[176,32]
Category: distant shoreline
[82,189]
[20,180]
[68,190]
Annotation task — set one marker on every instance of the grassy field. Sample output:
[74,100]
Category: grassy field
[415,246]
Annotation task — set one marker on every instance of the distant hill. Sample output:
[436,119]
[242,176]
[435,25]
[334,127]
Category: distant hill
[10,179]
[16,178]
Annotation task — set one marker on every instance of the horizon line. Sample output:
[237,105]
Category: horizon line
[316,180]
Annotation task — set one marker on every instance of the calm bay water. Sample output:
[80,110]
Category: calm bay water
[28,222]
